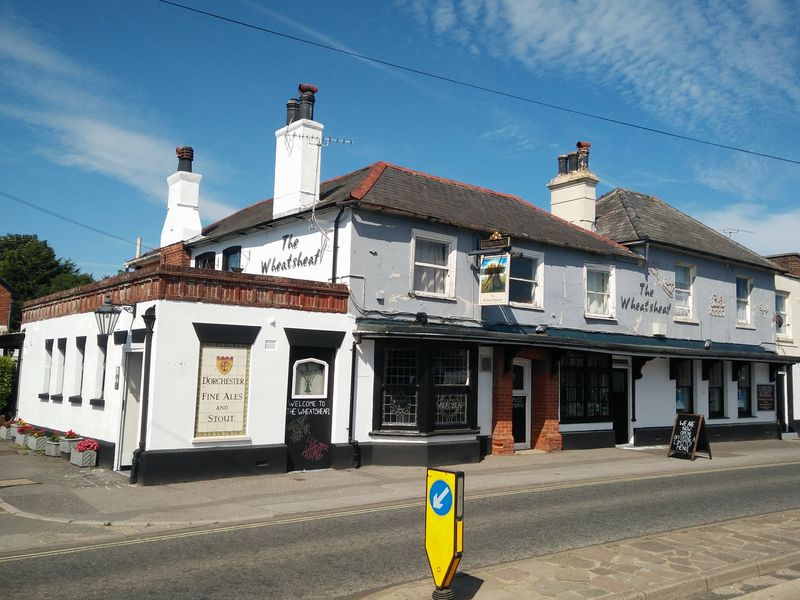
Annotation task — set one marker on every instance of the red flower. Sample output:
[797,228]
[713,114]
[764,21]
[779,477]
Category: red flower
[87,445]
[70,435]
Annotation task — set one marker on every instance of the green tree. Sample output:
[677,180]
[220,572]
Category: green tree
[30,266]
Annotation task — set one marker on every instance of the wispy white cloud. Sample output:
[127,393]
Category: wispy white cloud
[764,231]
[689,64]
[79,121]
[511,135]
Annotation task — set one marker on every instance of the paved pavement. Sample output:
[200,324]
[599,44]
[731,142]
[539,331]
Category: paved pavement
[50,503]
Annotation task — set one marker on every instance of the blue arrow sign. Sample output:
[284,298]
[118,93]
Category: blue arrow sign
[441,497]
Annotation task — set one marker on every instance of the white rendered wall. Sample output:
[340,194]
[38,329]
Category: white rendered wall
[183,214]
[298,152]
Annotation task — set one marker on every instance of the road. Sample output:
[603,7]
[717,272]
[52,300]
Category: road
[348,553]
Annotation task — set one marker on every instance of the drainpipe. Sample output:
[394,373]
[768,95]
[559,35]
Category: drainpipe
[336,243]
[351,438]
[149,318]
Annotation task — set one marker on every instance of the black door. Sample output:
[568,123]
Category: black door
[519,406]
[619,402]
[309,405]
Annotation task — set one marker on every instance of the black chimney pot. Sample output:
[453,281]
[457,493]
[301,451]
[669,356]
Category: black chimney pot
[185,157]
[572,162]
[562,164]
[292,108]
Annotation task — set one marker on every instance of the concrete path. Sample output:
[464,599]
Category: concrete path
[49,502]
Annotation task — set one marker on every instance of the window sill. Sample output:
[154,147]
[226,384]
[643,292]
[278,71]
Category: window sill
[97,402]
[721,417]
[784,340]
[686,320]
[56,397]
[44,396]
[747,417]
[422,434]
[525,306]
[745,326]
[432,296]
[589,316]
[76,400]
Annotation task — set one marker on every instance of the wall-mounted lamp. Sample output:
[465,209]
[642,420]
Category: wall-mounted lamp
[421,318]
[707,345]
[541,328]
[107,315]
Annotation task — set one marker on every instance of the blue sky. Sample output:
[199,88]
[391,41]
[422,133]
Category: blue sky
[96,94]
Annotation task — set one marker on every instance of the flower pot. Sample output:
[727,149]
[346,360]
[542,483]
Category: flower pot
[83,459]
[36,443]
[20,438]
[5,432]
[66,445]
[52,449]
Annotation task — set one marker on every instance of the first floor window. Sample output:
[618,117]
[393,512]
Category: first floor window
[744,399]
[781,324]
[432,268]
[598,291]
[684,385]
[716,391]
[742,300]
[523,286]
[206,260]
[585,383]
[232,258]
[684,278]
[425,387]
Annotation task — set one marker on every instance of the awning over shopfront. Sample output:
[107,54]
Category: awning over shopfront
[570,339]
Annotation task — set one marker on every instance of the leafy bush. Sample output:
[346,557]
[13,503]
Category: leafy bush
[7,369]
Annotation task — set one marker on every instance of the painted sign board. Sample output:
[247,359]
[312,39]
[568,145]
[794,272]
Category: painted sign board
[444,524]
[766,397]
[223,379]
[494,280]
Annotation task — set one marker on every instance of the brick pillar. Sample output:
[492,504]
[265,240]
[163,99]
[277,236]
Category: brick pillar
[544,414]
[176,254]
[502,390]
[5,308]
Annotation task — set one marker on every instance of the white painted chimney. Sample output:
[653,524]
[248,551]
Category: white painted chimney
[572,191]
[183,210]
[298,155]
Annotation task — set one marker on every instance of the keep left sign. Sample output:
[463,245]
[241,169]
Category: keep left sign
[444,524]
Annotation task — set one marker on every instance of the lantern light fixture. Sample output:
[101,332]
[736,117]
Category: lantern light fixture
[107,315]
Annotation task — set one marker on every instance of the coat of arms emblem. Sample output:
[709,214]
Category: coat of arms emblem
[224,364]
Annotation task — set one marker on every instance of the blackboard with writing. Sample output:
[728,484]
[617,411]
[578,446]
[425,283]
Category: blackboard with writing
[689,436]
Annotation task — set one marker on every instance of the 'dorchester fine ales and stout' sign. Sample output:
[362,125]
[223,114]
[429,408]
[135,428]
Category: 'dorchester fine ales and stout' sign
[222,390]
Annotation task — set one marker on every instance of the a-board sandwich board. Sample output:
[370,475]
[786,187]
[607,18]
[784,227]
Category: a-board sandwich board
[689,436]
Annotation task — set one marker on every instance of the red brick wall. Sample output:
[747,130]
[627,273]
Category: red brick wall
[5,306]
[790,262]
[176,254]
[187,284]
[544,406]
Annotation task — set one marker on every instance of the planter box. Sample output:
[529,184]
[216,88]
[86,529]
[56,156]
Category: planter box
[20,438]
[83,459]
[7,432]
[53,449]
[36,443]
[66,445]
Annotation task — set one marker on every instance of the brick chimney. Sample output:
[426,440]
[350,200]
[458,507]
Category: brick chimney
[183,201]
[298,154]
[572,191]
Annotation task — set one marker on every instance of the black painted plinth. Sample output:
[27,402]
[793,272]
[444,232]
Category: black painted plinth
[586,440]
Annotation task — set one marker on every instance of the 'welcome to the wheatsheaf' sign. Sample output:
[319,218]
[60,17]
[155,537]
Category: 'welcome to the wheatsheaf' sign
[222,390]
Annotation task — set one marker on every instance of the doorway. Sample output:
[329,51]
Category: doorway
[309,408]
[131,404]
[619,404]
[521,404]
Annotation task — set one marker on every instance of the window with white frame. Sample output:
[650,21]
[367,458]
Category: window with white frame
[684,280]
[433,264]
[525,279]
[781,314]
[48,365]
[599,290]
[310,379]
[743,287]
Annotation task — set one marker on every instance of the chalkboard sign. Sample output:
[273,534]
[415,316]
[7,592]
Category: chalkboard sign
[689,436]
[766,397]
[309,408]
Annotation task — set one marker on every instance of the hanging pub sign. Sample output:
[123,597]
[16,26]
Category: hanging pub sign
[689,436]
[493,279]
[222,390]
[496,242]
[765,395]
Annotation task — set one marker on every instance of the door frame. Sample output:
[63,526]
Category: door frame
[126,414]
[527,391]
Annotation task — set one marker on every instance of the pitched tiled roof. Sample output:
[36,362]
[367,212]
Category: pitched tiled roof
[626,217]
[382,186]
